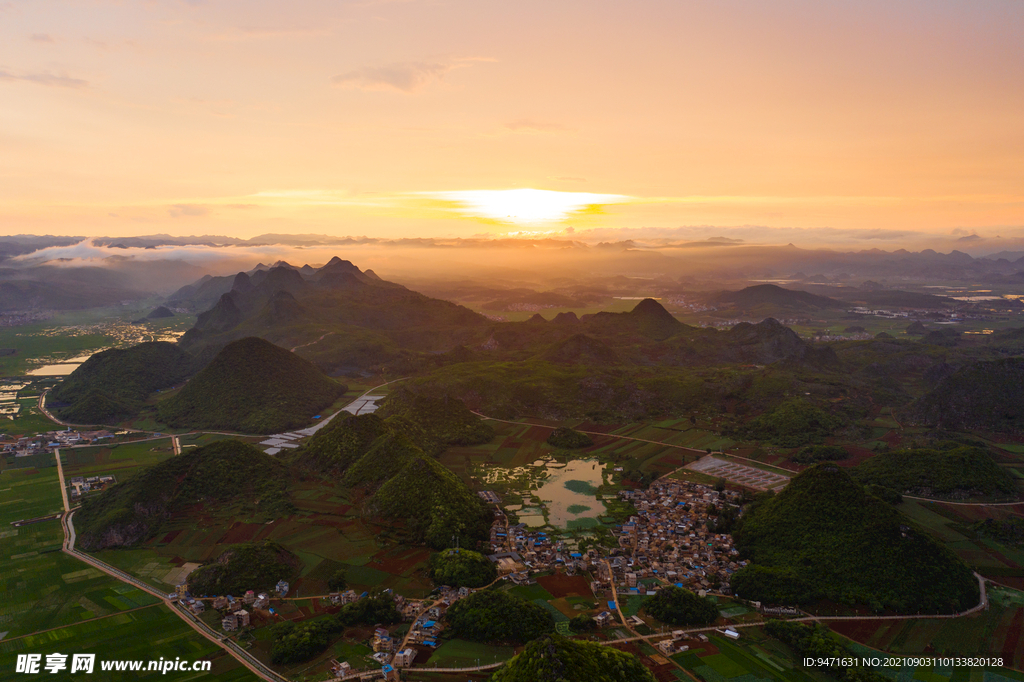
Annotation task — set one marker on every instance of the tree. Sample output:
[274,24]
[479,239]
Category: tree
[337,582]
[676,606]
[582,623]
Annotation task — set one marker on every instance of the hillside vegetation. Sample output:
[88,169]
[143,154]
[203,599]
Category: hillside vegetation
[554,658]
[339,444]
[223,473]
[114,384]
[983,395]
[252,386]
[959,472]
[444,419]
[392,458]
[824,537]
[254,566]
[433,503]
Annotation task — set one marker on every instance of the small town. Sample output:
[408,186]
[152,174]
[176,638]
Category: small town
[667,542]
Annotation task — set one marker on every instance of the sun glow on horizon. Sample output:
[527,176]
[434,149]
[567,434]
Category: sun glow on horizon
[526,206]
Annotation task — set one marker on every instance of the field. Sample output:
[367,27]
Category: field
[118,460]
[146,634]
[757,657]
[460,653]
[998,631]
[950,524]
[40,587]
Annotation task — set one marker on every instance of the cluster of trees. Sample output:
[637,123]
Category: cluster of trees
[816,641]
[959,471]
[494,616]
[254,566]
[794,423]
[813,454]
[676,606]
[337,581]
[1008,531]
[824,537]
[462,568]
[252,386]
[553,658]
[221,473]
[582,623]
[294,642]
[569,439]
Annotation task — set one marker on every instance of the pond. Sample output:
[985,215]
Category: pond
[562,495]
[570,494]
[60,369]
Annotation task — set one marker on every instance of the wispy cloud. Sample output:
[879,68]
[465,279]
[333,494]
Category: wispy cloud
[48,79]
[40,38]
[187,210]
[405,77]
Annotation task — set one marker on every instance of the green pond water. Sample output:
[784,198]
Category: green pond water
[567,493]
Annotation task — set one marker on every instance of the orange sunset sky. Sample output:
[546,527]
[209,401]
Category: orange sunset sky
[413,118]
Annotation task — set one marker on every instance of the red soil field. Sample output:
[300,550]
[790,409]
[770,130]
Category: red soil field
[400,563]
[562,585]
[240,532]
[1012,643]
[170,536]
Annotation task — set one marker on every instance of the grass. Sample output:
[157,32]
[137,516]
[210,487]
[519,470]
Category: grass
[456,653]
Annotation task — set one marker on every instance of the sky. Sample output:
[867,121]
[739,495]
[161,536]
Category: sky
[873,122]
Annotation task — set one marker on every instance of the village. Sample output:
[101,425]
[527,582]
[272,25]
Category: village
[46,442]
[667,542]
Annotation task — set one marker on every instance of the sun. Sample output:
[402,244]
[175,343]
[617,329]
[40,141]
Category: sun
[525,206]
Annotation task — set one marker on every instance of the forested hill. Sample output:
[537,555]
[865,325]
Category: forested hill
[114,384]
[958,472]
[983,395]
[224,472]
[393,458]
[553,658]
[824,537]
[252,386]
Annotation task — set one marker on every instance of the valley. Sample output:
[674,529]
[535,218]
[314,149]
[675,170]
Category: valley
[446,438]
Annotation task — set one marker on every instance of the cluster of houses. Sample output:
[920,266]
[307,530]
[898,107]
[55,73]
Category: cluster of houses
[44,442]
[237,612]
[22,447]
[85,484]
[666,542]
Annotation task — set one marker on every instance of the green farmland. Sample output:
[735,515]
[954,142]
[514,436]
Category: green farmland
[146,634]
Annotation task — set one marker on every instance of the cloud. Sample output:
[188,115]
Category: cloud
[40,38]
[970,238]
[404,77]
[524,125]
[47,79]
[187,210]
